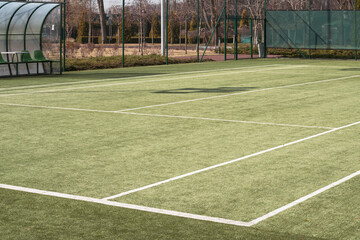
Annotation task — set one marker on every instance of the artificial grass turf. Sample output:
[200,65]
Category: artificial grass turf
[101,154]
[331,215]
[330,104]
[118,74]
[122,73]
[29,216]
[251,188]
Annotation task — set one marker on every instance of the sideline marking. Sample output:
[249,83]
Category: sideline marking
[177,213]
[150,81]
[300,200]
[126,205]
[168,116]
[239,93]
[59,108]
[226,163]
[148,76]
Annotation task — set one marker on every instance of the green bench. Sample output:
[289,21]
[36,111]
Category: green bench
[25,58]
[38,58]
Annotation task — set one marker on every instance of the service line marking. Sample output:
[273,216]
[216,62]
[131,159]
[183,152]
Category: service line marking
[226,120]
[141,77]
[227,163]
[177,213]
[150,81]
[167,116]
[239,93]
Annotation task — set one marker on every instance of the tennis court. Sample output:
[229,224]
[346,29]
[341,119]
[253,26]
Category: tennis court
[250,149]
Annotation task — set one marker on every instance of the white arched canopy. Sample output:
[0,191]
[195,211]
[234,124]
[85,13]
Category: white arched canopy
[26,26]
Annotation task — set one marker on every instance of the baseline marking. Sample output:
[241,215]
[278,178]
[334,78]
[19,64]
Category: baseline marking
[177,213]
[126,205]
[226,163]
[149,81]
[240,93]
[149,76]
[168,116]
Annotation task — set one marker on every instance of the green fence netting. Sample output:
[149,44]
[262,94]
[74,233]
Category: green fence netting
[313,29]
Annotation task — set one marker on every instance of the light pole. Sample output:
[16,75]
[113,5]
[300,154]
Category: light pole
[163,27]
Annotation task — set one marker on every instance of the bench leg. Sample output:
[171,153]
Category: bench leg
[27,67]
[10,69]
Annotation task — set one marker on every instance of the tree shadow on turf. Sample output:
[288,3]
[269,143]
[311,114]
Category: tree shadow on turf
[206,90]
[350,69]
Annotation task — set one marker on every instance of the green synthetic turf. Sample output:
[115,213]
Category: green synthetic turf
[61,141]
[29,216]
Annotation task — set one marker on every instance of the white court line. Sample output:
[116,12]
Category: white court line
[59,108]
[150,81]
[303,199]
[239,93]
[126,205]
[177,213]
[226,163]
[158,115]
[225,120]
[141,77]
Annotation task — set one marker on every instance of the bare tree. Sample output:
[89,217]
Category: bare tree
[256,10]
[102,20]
[73,8]
[141,8]
[186,10]
[90,13]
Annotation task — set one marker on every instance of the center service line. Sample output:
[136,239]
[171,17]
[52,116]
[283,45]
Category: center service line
[228,162]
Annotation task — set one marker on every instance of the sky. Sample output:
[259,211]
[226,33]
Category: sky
[109,3]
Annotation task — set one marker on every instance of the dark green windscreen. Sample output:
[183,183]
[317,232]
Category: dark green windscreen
[313,29]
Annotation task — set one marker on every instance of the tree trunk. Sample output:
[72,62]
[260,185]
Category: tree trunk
[102,20]
[186,36]
[90,25]
[152,34]
[90,32]
[180,34]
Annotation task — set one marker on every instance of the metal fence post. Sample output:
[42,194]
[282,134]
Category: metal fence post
[265,50]
[235,33]
[123,34]
[309,28]
[355,25]
[198,31]
[167,32]
[225,32]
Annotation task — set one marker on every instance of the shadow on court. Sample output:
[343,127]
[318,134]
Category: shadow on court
[350,69]
[207,90]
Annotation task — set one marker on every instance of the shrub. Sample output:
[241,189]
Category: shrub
[92,63]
